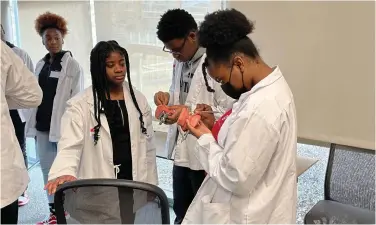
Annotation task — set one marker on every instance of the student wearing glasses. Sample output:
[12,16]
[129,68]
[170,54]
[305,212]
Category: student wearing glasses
[177,30]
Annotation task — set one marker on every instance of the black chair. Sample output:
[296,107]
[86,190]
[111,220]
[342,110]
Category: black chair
[349,188]
[111,201]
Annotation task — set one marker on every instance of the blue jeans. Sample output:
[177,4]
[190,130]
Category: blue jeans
[46,151]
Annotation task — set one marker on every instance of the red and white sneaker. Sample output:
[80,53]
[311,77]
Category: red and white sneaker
[51,219]
[23,200]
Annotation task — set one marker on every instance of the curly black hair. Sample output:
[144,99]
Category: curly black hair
[223,33]
[50,20]
[175,23]
[100,85]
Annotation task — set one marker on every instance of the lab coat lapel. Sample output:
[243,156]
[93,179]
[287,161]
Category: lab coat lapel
[196,84]
[178,71]
[134,127]
[131,110]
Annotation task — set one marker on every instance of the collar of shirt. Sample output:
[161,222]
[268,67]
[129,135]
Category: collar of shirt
[199,53]
[270,79]
[10,45]
[58,56]
[56,64]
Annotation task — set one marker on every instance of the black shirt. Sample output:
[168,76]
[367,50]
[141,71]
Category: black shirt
[117,117]
[48,85]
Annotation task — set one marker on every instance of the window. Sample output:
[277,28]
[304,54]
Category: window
[133,25]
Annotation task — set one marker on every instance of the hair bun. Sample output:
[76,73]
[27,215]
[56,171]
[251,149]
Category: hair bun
[224,27]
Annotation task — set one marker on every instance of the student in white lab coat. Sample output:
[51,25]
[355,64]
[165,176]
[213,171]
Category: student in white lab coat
[250,153]
[177,30]
[20,90]
[106,133]
[19,116]
[60,77]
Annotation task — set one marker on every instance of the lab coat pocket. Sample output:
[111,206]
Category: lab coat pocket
[214,213]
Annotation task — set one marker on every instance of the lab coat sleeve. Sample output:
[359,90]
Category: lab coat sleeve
[150,146]
[222,102]
[241,164]
[22,90]
[29,62]
[76,72]
[70,145]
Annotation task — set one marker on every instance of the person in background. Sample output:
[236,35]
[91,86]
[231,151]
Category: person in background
[177,30]
[60,77]
[19,116]
[20,90]
[108,126]
[250,153]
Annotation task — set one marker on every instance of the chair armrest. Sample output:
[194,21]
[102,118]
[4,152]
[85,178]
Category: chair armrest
[330,212]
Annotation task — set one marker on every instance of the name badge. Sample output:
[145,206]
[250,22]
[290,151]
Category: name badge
[54,74]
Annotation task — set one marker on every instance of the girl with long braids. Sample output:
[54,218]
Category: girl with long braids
[249,153]
[107,129]
[60,77]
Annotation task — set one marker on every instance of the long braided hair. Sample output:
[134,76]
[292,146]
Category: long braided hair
[100,83]
[204,66]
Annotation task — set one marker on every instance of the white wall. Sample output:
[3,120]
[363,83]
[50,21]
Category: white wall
[326,51]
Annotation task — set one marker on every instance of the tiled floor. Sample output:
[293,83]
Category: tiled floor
[310,186]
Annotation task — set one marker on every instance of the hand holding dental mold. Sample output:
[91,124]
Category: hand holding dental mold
[185,116]
[176,111]
[161,98]
[198,129]
[162,112]
[207,115]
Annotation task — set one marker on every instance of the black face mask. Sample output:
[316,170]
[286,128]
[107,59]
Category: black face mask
[229,90]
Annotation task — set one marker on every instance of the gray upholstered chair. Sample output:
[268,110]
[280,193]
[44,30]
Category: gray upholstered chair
[349,188]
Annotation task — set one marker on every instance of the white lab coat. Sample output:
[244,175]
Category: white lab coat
[19,89]
[182,152]
[77,156]
[71,82]
[24,113]
[251,170]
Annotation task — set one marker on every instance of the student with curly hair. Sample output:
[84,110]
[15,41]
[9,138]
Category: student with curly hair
[177,29]
[106,133]
[250,153]
[60,77]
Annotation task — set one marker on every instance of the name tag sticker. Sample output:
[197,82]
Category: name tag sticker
[54,74]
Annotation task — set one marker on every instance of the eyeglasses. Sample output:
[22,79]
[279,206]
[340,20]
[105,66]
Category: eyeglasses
[175,51]
[218,80]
